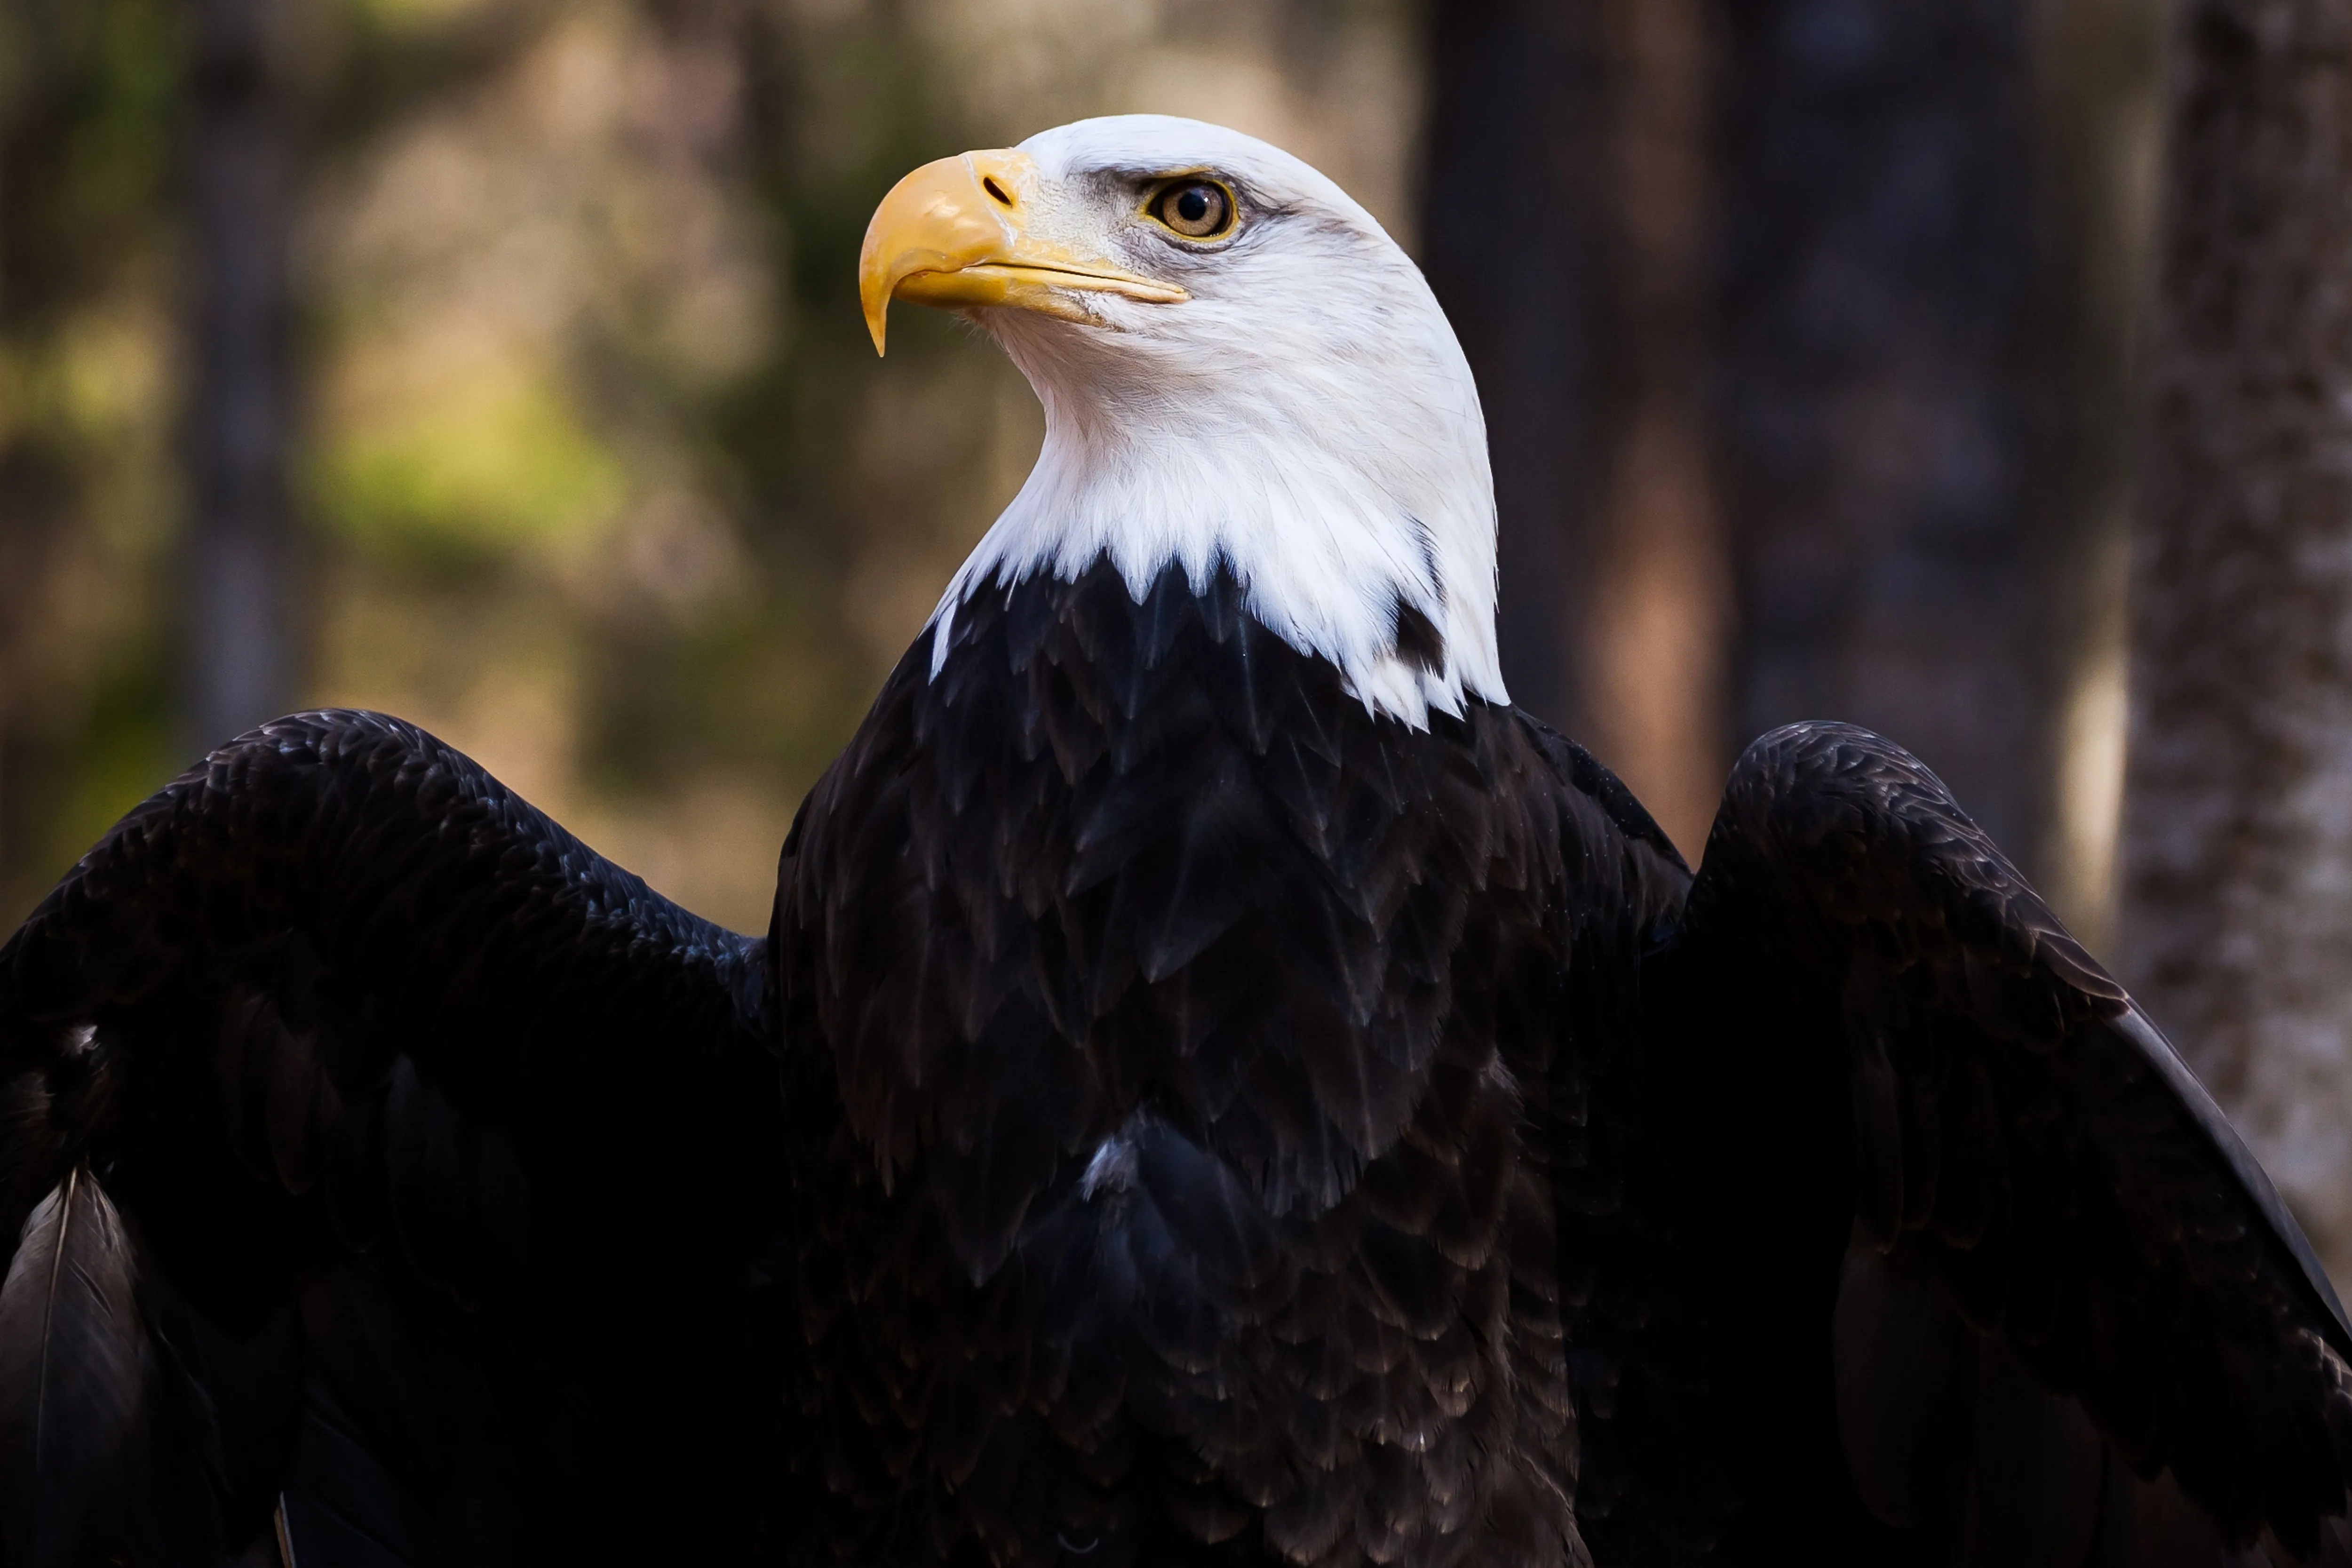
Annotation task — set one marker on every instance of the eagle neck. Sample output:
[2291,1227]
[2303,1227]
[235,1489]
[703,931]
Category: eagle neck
[1361,534]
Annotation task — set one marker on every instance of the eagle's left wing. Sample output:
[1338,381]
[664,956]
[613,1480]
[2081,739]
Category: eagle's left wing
[366,1139]
[1986,1267]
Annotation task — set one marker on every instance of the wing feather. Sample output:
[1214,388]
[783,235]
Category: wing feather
[71,1378]
[1916,1102]
[384,1070]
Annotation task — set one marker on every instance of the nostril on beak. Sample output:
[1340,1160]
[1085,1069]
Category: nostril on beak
[993,189]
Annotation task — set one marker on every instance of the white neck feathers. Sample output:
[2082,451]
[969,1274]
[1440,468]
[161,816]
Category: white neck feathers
[1342,495]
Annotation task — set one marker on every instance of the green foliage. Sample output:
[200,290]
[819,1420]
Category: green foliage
[505,464]
[86,105]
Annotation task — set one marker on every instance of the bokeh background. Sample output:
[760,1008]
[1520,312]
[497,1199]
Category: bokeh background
[497,363]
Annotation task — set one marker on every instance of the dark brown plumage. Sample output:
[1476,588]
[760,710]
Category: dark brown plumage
[450,1156]
[70,1378]
[1176,1117]
[2064,1297]
[1193,1085]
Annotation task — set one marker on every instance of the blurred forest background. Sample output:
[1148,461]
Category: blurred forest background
[497,363]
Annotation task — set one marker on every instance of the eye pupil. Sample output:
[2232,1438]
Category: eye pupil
[1193,204]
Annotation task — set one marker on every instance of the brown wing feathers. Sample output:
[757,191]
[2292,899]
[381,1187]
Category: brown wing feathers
[2070,1301]
[71,1378]
[447,1148]
[373,1143]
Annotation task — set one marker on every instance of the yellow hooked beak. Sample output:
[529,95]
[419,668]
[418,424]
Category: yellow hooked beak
[956,232]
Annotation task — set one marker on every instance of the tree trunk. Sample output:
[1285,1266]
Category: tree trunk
[1562,230]
[1652,640]
[2237,905]
[1513,242]
[241,197]
[1876,371]
[2100,107]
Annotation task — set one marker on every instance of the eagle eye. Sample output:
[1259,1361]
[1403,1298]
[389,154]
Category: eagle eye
[1194,207]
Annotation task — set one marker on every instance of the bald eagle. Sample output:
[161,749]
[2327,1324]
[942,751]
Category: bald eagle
[1221,1085]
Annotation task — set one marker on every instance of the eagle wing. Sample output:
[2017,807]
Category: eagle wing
[2070,1319]
[367,1140]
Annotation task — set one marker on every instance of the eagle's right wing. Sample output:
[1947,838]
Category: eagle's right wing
[368,1141]
[1986,1259]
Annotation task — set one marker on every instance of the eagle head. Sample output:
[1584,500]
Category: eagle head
[1238,366]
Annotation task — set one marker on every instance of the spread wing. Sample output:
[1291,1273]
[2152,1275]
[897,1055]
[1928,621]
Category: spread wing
[1972,1225]
[368,1141]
